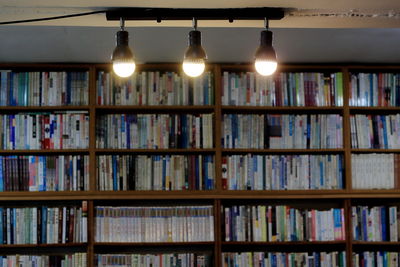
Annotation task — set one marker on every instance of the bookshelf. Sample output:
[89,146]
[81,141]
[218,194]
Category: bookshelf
[218,196]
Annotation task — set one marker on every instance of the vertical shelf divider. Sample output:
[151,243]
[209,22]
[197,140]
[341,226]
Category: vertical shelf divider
[92,162]
[346,131]
[217,128]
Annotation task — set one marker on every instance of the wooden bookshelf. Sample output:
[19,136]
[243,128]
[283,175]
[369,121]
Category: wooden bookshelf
[343,198]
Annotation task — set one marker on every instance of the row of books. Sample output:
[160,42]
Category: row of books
[44,173]
[375,171]
[376,258]
[155,88]
[282,131]
[375,131]
[374,89]
[67,260]
[154,260]
[283,89]
[155,172]
[283,223]
[282,172]
[43,225]
[44,88]
[154,224]
[287,259]
[44,130]
[154,131]
[378,223]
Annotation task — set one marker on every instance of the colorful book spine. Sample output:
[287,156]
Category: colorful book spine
[315,131]
[44,88]
[282,172]
[375,89]
[282,223]
[59,130]
[155,88]
[376,258]
[289,259]
[283,89]
[67,260]
[154,131]
[44,225]
[375,131]
[44,173]
[377,223]
[155,172]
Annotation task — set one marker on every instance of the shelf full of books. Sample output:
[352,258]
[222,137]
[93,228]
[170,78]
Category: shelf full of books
[193,144]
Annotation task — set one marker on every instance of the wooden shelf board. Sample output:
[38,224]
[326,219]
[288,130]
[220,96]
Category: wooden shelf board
[154,151]
[303,151]
[354,109]
[377,243]
[149,244]
[284,243]
[198,194]
[158,108]
[21,109]
[44,245]
[45,151]
[373,150]
[280,109]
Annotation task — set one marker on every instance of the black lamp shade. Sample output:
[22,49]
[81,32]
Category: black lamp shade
[195,50]
[122,52]
[265,51]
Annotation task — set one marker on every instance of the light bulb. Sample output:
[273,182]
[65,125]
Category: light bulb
[193,67]
[265,67]
[124,69]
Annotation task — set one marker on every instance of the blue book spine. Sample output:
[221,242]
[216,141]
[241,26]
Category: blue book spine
[44,173]
[321,175]
[128,131]
[207,179]
[44,225]
[385,133]
[340,168]
[13,225]
[11,86]
[1,181]
[371,90]
[384,226]
[1,225]
[364,233]
[197,172]
[68,90]
[114,165]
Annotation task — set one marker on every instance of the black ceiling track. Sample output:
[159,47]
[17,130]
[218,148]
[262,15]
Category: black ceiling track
[230,14]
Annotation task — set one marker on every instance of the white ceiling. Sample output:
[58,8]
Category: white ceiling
[312,31]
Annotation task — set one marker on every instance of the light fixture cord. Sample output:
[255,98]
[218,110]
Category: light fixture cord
[266,23]
[122,23]
[194,24]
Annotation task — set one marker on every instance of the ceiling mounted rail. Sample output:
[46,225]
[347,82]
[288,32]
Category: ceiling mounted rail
[231,14]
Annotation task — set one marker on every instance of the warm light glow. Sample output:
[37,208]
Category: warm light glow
[265,67]
[193,67]
[124,69]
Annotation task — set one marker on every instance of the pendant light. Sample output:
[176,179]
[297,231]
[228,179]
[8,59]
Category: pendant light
[265,57]
[122,57]
[195,56]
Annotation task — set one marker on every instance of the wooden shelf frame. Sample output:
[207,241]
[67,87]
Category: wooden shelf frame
[216,196]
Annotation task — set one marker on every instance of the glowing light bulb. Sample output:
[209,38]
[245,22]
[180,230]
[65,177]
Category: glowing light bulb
[124,69]
[265,67]
[193,67]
